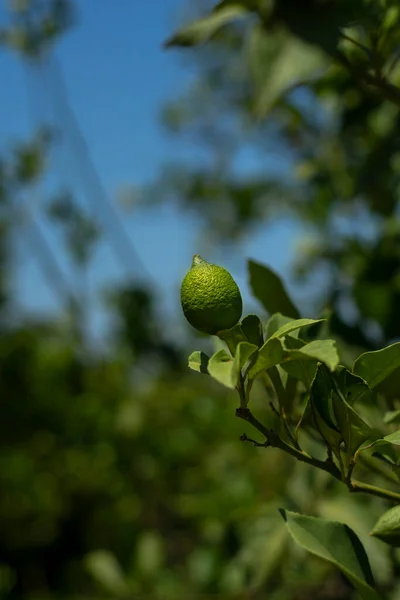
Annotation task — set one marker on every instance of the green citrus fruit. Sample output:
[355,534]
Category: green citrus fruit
[210,298]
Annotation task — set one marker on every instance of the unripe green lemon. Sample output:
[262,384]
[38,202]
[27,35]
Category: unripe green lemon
[210,298]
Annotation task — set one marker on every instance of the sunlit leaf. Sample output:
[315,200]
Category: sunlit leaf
[220,368]
[289,326]
[324,351]
[198,361]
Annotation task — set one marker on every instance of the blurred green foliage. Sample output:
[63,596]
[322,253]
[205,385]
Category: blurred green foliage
[122,474]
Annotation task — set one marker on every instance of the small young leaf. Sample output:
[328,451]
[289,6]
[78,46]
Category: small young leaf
[387,527]
[324,351]
[289,326]
[269,355]
[203,29]
[375,366]
[198,361]
[337,544]
[220,368]
[270,291]
[253,330]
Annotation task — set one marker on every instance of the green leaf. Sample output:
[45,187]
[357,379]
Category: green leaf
[288,327]
[203,29]
[295,63]
[388,446]
[243,352]
[220,367]
[106,570]
[232,337]
[302,369]
[253,330]
[354,429]
[387,528]
[275,322]
[337,544]
[375,366]
[321,394]
[270,291]
[269,355]
[198,361]
[392,416]
[324,351]
[354,388]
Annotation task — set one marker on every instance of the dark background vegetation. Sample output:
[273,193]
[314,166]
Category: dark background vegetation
[121,472]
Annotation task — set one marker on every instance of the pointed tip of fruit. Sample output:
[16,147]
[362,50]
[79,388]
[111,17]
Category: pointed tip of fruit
[197,260]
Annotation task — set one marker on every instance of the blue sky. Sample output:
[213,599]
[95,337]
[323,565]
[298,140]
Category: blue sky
[118,77]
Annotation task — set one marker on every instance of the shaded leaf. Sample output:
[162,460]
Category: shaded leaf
[302,369]
[198,361]
[295,63]
[321,394]
[354,429]
[387,445]
[387,528]
[203,29]
[243,352]
[269,290]
[253,330]
[392,416]
[105,569]
[375,366]
[337,544]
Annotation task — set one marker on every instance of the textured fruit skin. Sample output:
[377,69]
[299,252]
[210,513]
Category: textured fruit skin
[210,297]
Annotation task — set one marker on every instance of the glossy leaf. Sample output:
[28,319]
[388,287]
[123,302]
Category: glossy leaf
[198,361]
[387,528]
[337,544]
[203,29]
[269,290]
[288,326]
[220,368]
[324,351]
[375,366]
